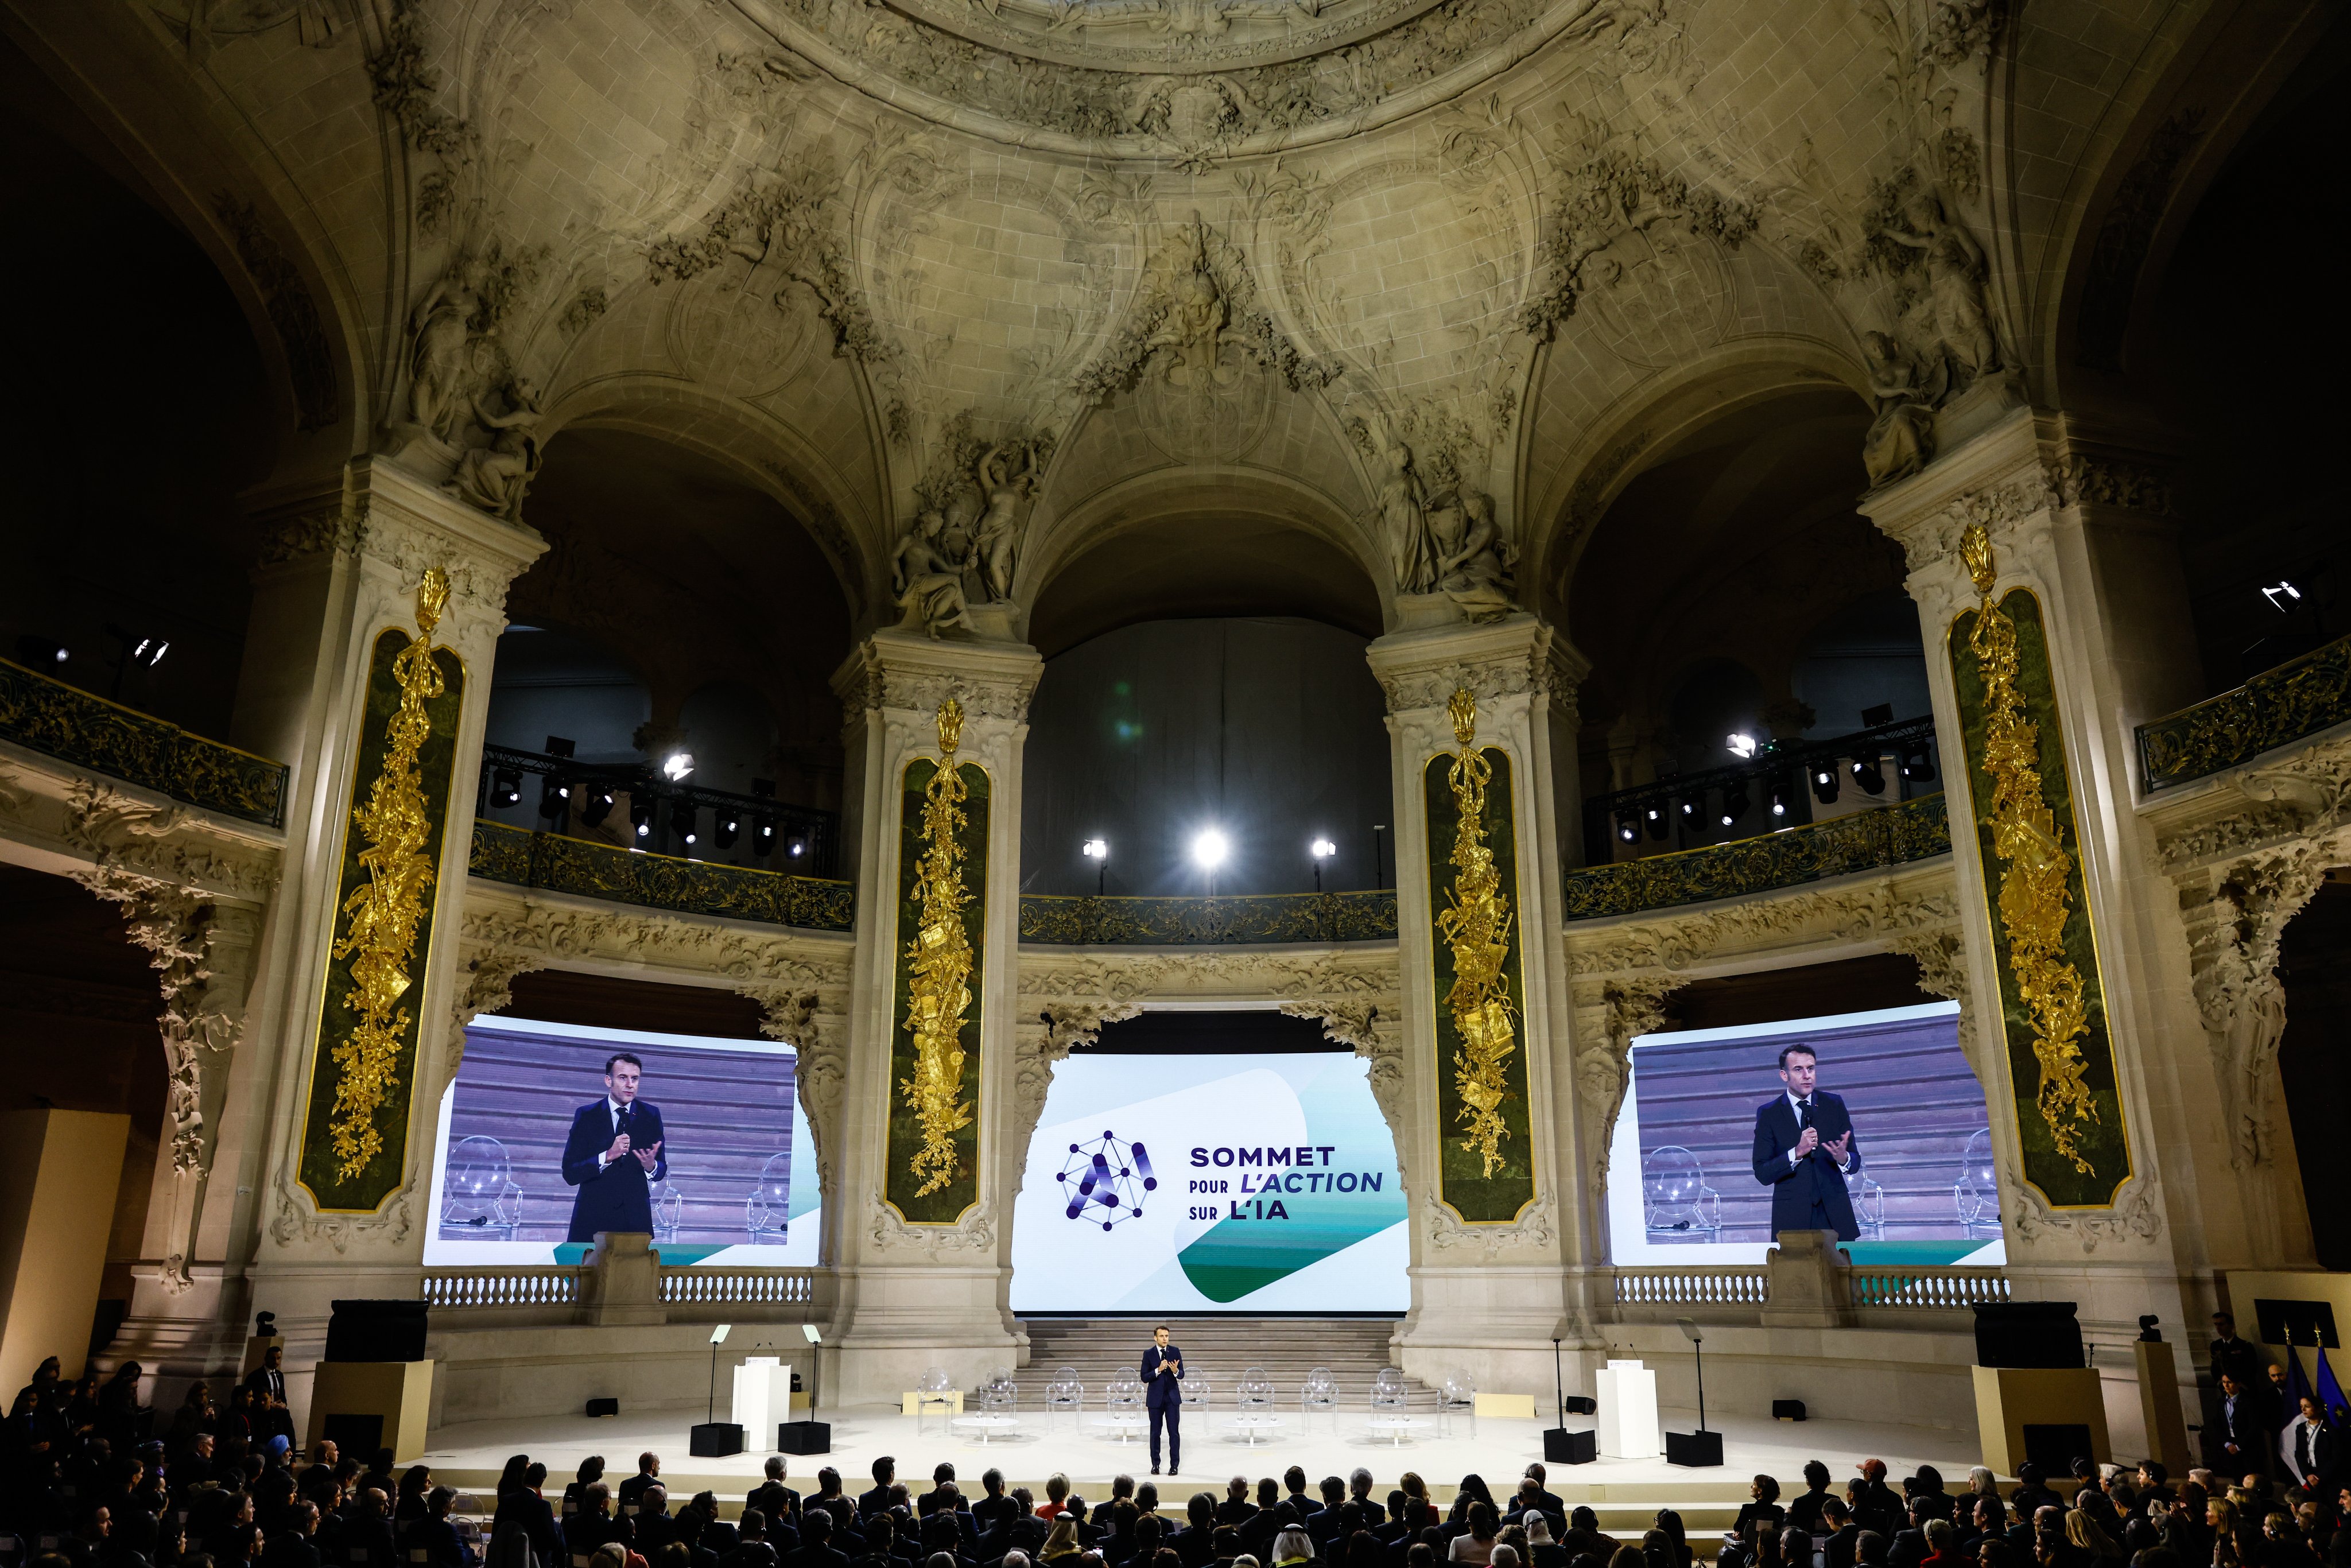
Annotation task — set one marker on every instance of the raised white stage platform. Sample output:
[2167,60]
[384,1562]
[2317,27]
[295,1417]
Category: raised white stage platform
[1625,1492]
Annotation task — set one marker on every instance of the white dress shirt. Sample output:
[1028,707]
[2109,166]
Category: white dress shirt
[604,1157]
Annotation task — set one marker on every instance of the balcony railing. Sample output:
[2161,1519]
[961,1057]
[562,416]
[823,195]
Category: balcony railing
[1883,1294]
[1877,840]
[2276,707]
[562,795]
[65,722]
[1269,917]
[523,1285]
[1786,784]
[590,869]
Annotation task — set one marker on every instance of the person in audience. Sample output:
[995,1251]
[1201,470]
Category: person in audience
[1057,1496]
[886,1473]
[1840,1537]
[1474,1545]
[1804,1513]
[2085,1534]
[1061,1543]
[1237,1506]
[648,1474]
[771,1496]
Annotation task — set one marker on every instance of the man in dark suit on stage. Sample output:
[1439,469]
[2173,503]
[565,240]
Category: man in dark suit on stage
[268,1381]
[614,1156]
[1162,1380]
[1804,1148]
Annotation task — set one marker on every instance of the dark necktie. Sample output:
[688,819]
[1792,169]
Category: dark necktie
[1803,1114]
[620,1120]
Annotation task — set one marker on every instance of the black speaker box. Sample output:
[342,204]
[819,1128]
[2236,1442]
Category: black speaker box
[603,1407]
[1582,1405]
[1561,1446]
[2027,1335]
[804,1437]
[358,1435]
[715,1440]
[1694,1451]
[2056,1445]
[376,1330]
[1787,1409]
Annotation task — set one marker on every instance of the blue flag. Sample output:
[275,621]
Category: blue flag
[2330,1394]
[2297,1386]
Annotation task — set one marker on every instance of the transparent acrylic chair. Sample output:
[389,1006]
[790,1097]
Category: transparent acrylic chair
[1676,1204]
[1253,1396]
[999,1395]
[1388,1393]
[480,1199]
[669,1212]
[1122,1400]
[1976,1195]
[767,1212]
[1458,1397]
[932,1394]
[1065,1393]
[1196,1392]
[1868,1205]
[1319,1392]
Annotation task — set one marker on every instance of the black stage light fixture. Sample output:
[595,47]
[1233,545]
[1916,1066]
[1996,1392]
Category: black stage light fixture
[763,835]
[41,652]
[595,804]
[797,848]
[1871,718]
[681,818]
[1691,805]
[554,795]
[1869,775]
[1783,800]
[640,817]
[1734,802]
[1826,785]
[1629,826]
[506,787]
[1916,765]
[725,828]
[1658,823]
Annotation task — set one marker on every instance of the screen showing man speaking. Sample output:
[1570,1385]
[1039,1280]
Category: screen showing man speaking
[550,1133]
[1245,1182]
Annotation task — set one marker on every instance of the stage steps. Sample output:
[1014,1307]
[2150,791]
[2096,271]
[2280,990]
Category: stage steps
[1219,1350]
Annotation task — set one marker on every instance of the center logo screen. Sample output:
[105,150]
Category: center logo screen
[1211,1183]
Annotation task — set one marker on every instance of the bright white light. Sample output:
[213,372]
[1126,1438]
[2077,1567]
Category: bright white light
[677,765]
[1095,849]
[1324,849]
[2280,593]
[1210,847]
[1742,745]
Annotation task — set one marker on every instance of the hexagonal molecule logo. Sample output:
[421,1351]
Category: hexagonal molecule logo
[1104,1180]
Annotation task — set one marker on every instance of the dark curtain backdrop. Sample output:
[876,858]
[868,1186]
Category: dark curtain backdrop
[1272,729]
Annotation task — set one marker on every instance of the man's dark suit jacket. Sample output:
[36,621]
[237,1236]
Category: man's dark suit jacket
[2245,1422]
[1816,1176]
[1160,1393]
[872,1501]
[617,1197]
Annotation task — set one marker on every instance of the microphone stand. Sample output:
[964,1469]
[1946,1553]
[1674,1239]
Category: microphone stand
[1559,1387]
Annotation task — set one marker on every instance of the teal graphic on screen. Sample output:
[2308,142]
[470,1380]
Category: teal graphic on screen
[1208,1182]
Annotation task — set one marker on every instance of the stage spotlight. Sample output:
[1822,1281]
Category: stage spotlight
[798,849]
[1826,785]
[677,765]
[681,822]
[506,788]
[1658,823]
[1095,849]
[1868,776]
[1742,745]
[40,652]
[1323,849]
[763,835]
[2282,596]
[1916,765]
[725,828]
[595,805]
[1734,802]
[1628,827]
[1691,805]
[1209,848]
[150,650]
[554,795]
[640,817]
[1783,800]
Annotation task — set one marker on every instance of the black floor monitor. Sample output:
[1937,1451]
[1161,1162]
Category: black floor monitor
[715,1440]
[1694,1451]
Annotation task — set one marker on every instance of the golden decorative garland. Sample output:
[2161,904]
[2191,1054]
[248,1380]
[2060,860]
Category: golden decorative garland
[383,913]
[938,988]
[1477,928]
[2035,889]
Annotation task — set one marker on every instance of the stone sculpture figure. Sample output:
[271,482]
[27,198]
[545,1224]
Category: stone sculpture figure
[1954,286]
[494,478]
[1194,323]
[928,579]
[1402,510]
[439,368]
[1902,437]
[1472,566]
[997,540]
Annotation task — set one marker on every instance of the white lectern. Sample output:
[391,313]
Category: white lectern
[1626,1393]
[763,1397]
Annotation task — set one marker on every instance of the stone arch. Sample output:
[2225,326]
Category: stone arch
[175,146]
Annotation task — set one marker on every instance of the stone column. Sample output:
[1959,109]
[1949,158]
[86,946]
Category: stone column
[2030,506]
[1496,1222]
[341,570]
[923,1277]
